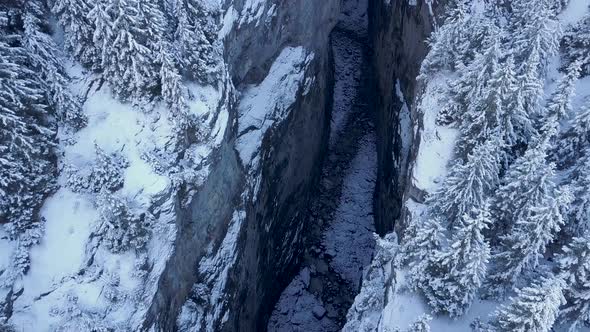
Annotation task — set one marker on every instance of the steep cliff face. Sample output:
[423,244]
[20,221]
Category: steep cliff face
[241,239]
[399,32]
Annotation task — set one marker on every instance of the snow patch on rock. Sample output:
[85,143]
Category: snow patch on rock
[267,104]
[437,142]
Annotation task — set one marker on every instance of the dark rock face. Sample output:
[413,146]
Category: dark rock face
[272,244]
[205,220]
[399,32]
[270,241]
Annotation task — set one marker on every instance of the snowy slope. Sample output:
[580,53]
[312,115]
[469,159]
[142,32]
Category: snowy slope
[72,277]
[403,306]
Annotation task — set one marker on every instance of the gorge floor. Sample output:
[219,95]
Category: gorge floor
[341,224]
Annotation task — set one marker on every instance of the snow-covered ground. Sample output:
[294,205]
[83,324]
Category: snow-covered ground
[73,281]
[436,142]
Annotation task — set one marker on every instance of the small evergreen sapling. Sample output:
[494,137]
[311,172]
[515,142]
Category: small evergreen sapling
[121,229]
[422,324]
[105,174]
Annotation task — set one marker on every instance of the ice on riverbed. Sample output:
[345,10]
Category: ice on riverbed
[349,237]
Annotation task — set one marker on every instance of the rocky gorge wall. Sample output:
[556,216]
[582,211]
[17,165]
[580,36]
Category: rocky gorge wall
[270,200]
[257,208]
[399,31]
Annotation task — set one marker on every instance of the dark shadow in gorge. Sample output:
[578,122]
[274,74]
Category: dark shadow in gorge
[319,297]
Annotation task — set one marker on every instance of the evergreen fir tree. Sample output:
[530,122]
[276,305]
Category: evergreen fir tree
[468,184]
[450,42]
[155,22]
[78,30]
[531,84]
[514,121]
[195,35]
[120,228]
[457,271]
[45,57]
[534,309]
[107,173]
[575,140]
[523,247]
[576,45]
[579,213]
[472,82]
[527,183]
[26,140]
[559,104]
[100,16]
[172,87]
[535,33]
[126,61]
[488,113]
[422,324]
[422,239]
[574,266]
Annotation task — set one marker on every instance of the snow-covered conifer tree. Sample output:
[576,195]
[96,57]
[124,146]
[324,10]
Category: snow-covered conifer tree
[45,57]
[457,271]
[126,60]
[78,29]
[576,45]
[574,266]
[450,42]
[100,17]
[575,140]
[533,229]
[106,173]
[531,84]
[422,239]
[473,80]
[534,309]
[579,214]
[559,104]
[469,184]
[489,112]
[534,33]
[26,140]
[119,227]
[527,183]
[172,87]
[422,324]
[195,35]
